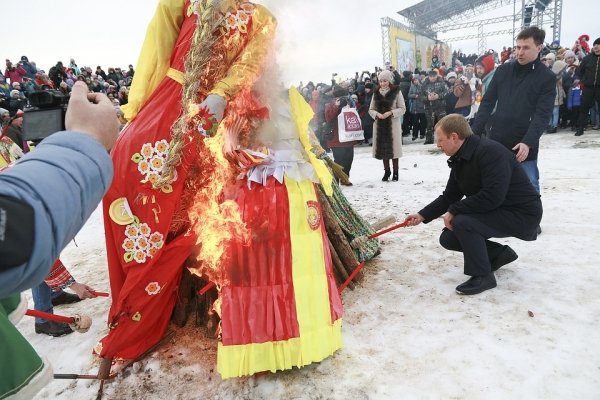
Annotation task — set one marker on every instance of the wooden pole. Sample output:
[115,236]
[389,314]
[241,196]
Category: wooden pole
[338,268]
[336,235]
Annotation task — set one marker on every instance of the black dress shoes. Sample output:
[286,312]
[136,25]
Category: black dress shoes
[477,284]
[52,328]
[507,256]
[65,298]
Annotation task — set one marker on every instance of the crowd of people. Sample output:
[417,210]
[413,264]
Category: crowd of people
[19,80]
[429,95]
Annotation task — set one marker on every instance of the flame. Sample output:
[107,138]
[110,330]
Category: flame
[214,221]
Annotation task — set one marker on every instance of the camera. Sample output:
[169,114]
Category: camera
[46,114]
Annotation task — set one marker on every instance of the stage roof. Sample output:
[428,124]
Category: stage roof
[430,12]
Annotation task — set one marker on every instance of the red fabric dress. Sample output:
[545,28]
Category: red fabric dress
[146,228]
[141,307]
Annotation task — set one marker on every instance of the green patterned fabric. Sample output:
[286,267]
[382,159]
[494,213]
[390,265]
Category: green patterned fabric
[20,366]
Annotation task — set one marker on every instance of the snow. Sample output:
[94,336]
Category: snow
[406,333]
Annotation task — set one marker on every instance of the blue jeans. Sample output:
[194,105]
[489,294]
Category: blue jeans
[554,118]
[531,169]
[594,115]
[42,299]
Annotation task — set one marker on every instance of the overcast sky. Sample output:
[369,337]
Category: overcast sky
[320,36]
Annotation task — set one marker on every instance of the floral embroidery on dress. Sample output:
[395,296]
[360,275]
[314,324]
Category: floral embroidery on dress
[140,242]
[151,160]
[238,20]
[153,288]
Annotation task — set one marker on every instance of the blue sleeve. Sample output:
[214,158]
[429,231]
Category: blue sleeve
[63,180]
[488,103]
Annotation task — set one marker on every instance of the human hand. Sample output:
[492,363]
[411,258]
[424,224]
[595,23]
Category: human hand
[448,217]
[522,151]
[83,291]
[92,114]
[413,219]
[215,105]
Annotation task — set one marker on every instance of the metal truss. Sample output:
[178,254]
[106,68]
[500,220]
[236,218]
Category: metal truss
[473,24]
[479,34]
[386,23]
[432,16]
[385,38]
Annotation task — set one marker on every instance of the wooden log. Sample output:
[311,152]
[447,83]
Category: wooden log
[338,268]
[185,299]
[336,235]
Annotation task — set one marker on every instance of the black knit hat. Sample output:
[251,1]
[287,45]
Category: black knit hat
[597,41]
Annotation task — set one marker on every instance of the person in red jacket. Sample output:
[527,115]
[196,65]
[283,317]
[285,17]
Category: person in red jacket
[343,153]
[14,74]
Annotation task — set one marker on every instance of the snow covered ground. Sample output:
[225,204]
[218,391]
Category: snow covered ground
[406,333]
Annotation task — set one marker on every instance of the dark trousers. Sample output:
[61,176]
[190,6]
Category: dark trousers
[419,125]
[344,156]
[589,95]
[368,130]
[433,115]
[407,123]
[471,233]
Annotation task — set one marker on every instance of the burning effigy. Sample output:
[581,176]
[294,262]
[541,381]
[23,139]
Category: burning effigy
[213,175]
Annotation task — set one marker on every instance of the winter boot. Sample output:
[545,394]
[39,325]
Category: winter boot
[386,175]
[395,176]
[429,138]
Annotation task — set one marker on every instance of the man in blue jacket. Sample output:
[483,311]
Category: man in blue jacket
[45,198]
[487,195]
[523,93]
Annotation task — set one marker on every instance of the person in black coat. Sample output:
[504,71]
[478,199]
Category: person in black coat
[487,195]
[519,101]
[589,74]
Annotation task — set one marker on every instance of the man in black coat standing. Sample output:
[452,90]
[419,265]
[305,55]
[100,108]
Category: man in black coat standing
[519,101]
[589,74]
[487,195]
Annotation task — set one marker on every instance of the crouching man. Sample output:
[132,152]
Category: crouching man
[487,195]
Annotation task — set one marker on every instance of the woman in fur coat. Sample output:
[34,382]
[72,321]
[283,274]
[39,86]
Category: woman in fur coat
[387,108]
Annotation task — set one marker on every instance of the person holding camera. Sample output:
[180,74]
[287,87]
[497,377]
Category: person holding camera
[14,74]
[433,93]
[43,204]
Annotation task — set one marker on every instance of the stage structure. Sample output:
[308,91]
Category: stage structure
[431,17]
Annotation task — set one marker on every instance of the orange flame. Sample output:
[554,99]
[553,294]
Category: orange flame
[215,222]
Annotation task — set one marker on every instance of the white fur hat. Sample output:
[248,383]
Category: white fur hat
[386,75]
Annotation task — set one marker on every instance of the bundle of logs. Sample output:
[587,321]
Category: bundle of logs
[197,295]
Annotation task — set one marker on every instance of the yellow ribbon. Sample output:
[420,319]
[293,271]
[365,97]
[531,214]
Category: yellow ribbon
[176,75]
